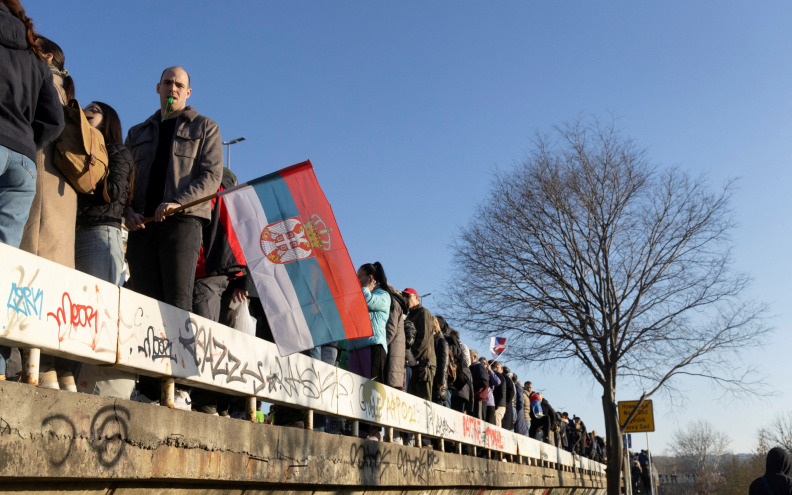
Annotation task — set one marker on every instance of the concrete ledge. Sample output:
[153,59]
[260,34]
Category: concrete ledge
[54,441]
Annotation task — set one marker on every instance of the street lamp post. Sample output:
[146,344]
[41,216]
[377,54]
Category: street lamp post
[228,150]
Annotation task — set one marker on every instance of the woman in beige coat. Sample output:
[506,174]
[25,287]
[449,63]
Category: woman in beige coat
[49,231]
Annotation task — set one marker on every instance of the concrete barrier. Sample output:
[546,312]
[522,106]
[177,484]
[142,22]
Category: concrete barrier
[55,441]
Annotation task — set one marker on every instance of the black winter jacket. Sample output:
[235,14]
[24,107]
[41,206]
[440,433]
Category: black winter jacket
[499,392]
[508,415]
[441,375]
[31,114]
[220,253]
[92,208]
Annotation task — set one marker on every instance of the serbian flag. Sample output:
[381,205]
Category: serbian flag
[497,346]
[297,259]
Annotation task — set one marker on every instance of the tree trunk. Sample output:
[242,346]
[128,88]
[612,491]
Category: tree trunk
[613,439]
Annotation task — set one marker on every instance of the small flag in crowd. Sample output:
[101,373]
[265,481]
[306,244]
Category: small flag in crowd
[497,346]
[299,263]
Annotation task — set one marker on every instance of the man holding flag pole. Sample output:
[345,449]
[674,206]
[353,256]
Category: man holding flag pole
[179,160]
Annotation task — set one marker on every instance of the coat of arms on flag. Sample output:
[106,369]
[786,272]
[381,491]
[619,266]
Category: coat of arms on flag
[497,346]
[291,240]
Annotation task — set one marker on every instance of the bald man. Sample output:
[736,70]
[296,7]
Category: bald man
[179,159]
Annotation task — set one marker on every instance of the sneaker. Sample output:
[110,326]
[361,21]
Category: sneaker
[181,400]
[49,379]
[2,378]
[398,440]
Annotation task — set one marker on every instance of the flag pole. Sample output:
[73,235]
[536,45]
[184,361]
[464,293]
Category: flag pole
[198,201]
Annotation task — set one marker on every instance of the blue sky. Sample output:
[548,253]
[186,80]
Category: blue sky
[406,108]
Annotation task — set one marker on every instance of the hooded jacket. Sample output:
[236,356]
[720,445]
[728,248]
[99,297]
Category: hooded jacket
[777,475]
[31,114]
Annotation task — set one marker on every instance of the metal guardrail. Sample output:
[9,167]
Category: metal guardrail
[59,311]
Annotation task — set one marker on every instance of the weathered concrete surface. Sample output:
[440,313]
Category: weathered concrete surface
[51,441]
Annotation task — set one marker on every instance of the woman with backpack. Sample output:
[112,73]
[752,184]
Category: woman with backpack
[368,356]
[49,231]
[30,117]
[98,248]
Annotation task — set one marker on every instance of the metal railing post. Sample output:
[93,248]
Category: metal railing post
[30,365]
[167,392]
[308,419]
[250,408]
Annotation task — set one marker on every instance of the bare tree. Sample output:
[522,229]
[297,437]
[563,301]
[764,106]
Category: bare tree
[778,433]
[702,451]
[699,447]
[585,252]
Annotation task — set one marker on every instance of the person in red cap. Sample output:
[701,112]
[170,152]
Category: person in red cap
[423,348]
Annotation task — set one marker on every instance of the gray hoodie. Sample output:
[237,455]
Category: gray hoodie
[31,114]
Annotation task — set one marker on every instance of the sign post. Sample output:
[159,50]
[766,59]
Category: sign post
[643,421]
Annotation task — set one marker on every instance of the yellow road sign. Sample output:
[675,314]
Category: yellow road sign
[643,419]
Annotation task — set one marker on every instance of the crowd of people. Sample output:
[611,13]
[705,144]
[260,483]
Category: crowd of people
[182,253]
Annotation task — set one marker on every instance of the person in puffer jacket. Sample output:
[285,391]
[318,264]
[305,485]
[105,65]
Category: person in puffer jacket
[440,389]
[368,356]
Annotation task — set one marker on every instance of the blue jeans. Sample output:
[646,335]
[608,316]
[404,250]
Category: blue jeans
[5,353]
[17,188]
[324,353]
[99,251]
[327,354]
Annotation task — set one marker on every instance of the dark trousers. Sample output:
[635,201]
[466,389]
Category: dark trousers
[458,403]
[421,388]
[491,414]
[208,297]
[379,360]
[162,259]
[479,409]
[543,423]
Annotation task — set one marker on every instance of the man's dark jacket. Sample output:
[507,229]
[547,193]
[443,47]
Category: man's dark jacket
[423,348]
